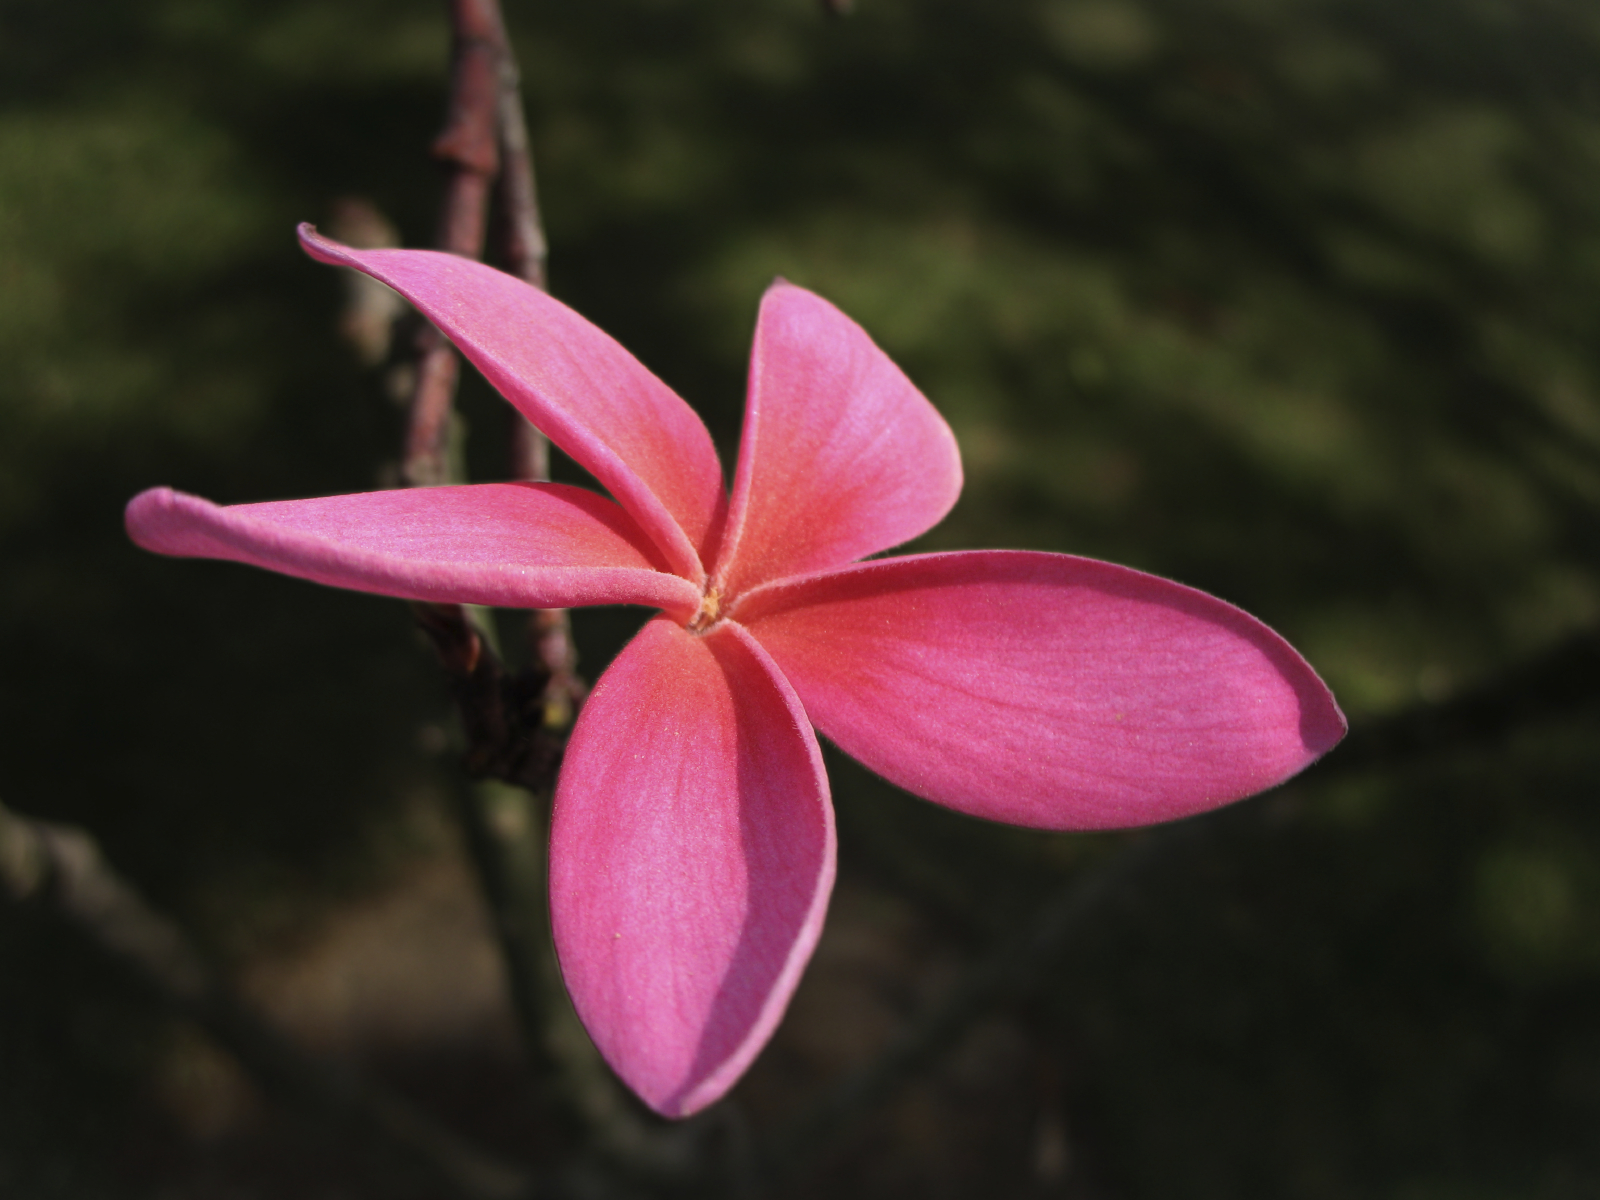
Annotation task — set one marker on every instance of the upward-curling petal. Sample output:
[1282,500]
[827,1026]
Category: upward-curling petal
[1045,690]
[691,857]
[583,390]
[842,457]
[529,545]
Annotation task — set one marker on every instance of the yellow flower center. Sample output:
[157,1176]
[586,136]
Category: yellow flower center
[707,616]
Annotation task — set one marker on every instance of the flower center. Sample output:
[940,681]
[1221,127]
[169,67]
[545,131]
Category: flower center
[710,605]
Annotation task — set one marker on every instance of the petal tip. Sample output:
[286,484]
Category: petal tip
[148,517]
[320,247]
[1322,724]
[787,294]
[147,501]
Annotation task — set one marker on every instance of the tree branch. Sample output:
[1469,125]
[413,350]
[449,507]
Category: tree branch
[1018,964]
[467,147]
[516,725]
[524,252]
[60,868]
[485,148]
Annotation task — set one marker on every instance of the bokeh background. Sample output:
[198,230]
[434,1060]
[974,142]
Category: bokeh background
[1297,301]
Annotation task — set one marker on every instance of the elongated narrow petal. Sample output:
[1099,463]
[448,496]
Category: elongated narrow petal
[1045,690]
[842,456]
[589,395]
[529,545]
[691,857]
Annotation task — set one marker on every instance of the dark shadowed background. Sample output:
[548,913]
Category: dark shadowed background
[1297,301]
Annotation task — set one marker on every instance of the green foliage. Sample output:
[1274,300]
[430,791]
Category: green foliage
[1295,300]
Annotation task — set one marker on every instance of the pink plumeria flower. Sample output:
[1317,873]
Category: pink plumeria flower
[692,839]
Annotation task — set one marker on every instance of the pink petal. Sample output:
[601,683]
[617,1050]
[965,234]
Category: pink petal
[526,545]
[691,857]
[842,456]
[1045,690]
[589,395]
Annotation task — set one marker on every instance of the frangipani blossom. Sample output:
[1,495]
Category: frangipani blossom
[692,838]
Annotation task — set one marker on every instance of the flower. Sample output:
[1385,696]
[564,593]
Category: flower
[692,835]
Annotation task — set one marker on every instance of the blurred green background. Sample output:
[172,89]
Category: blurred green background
[1297,301]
